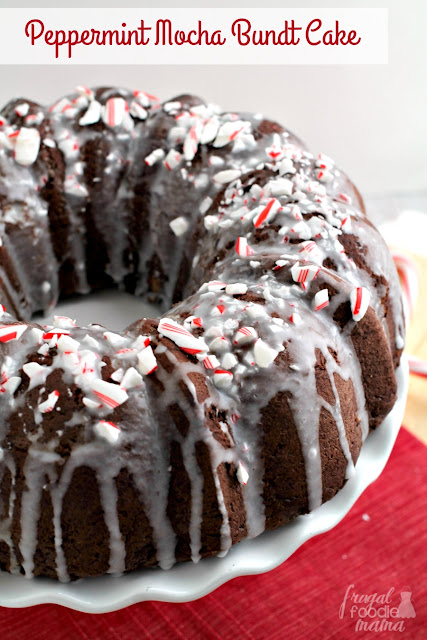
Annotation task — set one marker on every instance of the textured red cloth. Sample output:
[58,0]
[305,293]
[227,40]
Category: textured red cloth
[381,544]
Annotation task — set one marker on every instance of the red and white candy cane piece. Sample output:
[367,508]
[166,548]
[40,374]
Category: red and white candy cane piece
[22,109]
[242,474]
[11,332]
[196,322]
[92,114]
[141,342]
[359,301]
[218,310]
[179,225]
[115,339]
[137,110]
[408,273]
[60,106]
[2,309]
[174,105]
[245,335]
[210,130]
[191,142]
[236,289]
[74,187]
[70,360]
[226,176]
[63,322]
[211,362]
[27,146]
[219,344]
[264,354]
[321,299]
[108,431]
[324,162]
[55,333]
[228,132]
[304,273]
[222,378]
[275,151]
[126,353]
[48,405]
[11,384]
[36,373]
[154,157]
[172,160]
[146,99]
[91,404]
[242,248]
[82,90]
[267,213]
[281,187]
[147,362]
[181,337]
[216,285]
[111,395]
[117,375]
[66,343]
[229,361]
[286,166]
[295,318]
[114,111]
[324,176]
[418,367]
[309,248]
[343,197]
[131,379]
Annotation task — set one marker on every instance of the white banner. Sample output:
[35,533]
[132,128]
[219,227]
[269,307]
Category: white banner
[193,36]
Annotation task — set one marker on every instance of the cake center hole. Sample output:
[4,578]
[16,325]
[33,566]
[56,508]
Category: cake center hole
[112,309]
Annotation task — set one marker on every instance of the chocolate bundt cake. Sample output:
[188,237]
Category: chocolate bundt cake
[246,404]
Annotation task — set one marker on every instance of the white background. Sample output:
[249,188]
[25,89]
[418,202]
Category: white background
[371,118]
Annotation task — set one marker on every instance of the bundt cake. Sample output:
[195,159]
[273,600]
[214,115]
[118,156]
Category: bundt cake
[246,404]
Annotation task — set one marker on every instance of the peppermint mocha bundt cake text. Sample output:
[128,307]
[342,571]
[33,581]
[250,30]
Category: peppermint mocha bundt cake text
[246,404]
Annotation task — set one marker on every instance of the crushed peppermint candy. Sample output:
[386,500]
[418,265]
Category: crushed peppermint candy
[245,335]
[27,146]
[211,362]
[242,247]
[222,378]
[48,405]
[242,474]
[264,354]
[154,157]
[179,225]
[226,176]
[181,337]
[238,288]
[110,394]
[92,115]
[22,109]
[360,298]
[107,431]
[11,332]
[304,273]
[321,299]
[113,113]
[147,362]
[131,379]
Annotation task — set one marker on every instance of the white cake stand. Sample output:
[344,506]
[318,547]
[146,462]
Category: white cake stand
[190,581]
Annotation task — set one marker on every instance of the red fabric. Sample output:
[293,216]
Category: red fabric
[299,600]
